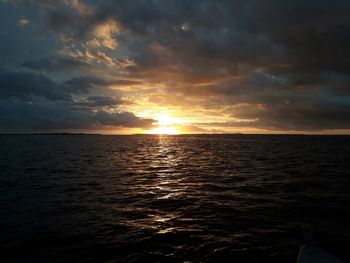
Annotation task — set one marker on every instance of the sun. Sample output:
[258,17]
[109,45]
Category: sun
[165,125]
[164,119]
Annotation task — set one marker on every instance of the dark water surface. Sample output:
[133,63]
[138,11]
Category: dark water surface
[239,198]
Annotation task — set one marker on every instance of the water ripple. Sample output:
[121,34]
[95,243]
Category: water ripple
[171,198]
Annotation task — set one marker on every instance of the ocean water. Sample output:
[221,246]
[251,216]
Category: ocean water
[228,198]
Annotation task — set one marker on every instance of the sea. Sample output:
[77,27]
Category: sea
[184,198]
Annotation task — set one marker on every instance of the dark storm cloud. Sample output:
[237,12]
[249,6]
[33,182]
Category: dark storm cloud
[281,64]
[323,113]
[18,115]
[55,64]
[100,101]
[88,82]
[83,84]
[125,119]
[253,32]
[28,86]
[30,101]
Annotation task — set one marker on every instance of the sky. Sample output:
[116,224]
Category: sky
[175,66]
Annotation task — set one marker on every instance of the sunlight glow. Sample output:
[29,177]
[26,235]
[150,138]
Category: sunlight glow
[166,130]
[164,119]
[165,125]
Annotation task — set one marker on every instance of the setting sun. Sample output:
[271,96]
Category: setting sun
[164,119]
[166,125]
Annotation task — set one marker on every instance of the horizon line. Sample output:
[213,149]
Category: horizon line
[185,134]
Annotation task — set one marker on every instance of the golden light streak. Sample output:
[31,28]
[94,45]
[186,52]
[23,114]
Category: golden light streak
[164,131]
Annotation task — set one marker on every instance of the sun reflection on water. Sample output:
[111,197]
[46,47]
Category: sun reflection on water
[161,182]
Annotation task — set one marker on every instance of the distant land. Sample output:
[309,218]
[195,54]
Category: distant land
[54,133]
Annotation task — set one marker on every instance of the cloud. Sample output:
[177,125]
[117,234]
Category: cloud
[23,22]
[124,119]
[104,34]
[56,64]
[29,86]
[17,115]
[270,65]
[85,83]
[33,102]
[100,101]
